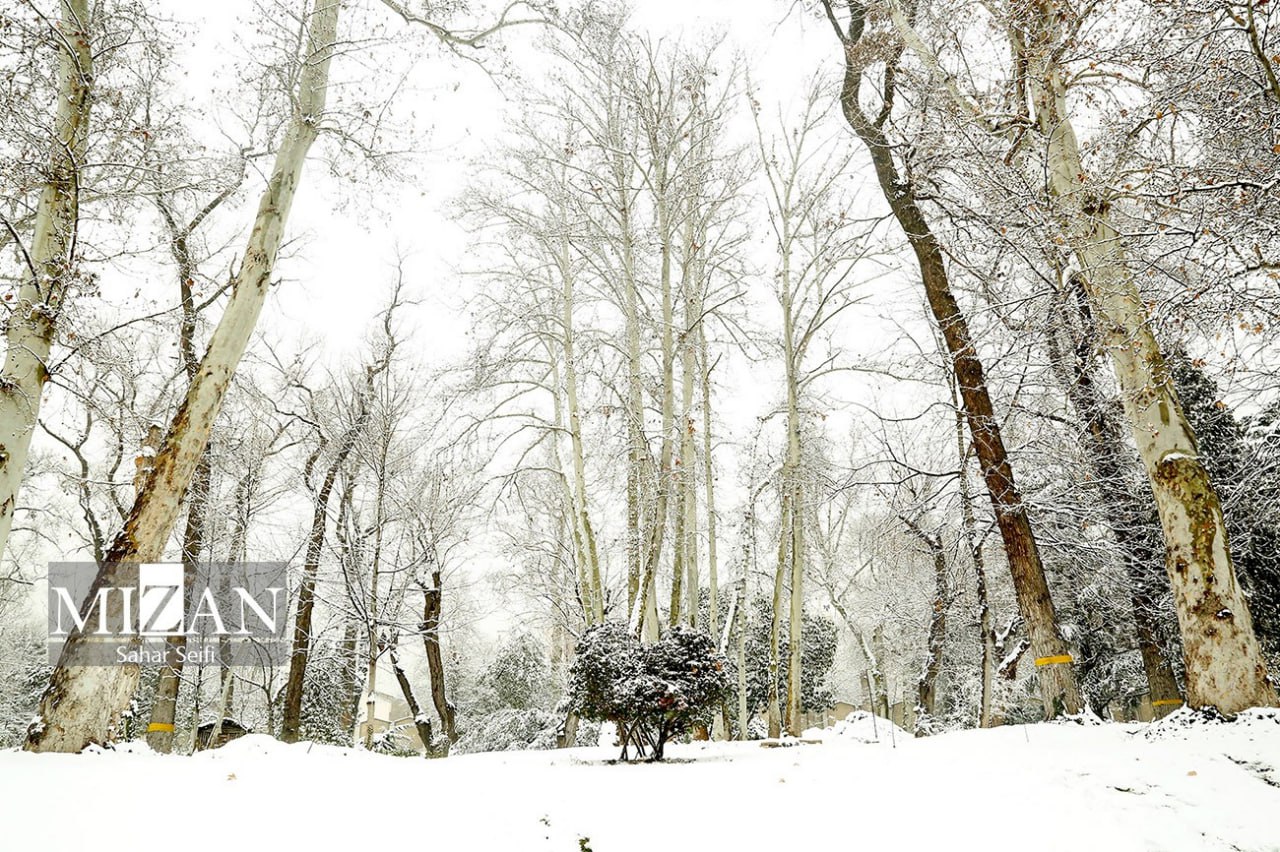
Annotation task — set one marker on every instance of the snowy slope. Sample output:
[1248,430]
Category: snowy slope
[1179,785]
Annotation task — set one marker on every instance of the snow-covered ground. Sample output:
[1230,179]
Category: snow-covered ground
[1182,784]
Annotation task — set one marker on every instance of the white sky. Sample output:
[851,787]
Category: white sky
[337,281]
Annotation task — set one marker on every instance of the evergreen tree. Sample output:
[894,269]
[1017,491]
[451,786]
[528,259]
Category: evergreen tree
[817,656]
[519,676]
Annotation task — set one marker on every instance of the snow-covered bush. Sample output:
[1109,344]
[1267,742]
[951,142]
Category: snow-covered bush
[331,693]
[24,672]
[757,729]
[654,693]
[509,730]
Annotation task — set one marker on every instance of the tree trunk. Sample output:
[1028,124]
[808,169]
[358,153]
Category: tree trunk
[1058,688]
[744,713]
[420,721]
[299,656]
[164,707]
[1224,663]
[927,688]
[227,682]
[644,613]
[709,488]
[1131,508]
[676,607]
[775,624]
[433,599]
[974,543]
[82,704]
[50,262]
[795,668]
[351,677]
[637,448]
[160,731]
[791,532]
[593,592]
[291,717]
[688,543]
[375,568]
[877,693]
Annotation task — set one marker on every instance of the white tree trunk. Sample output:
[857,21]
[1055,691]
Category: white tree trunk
[744,713]
[644,613]
[593,592]
[791,532]
[775,625]
[1224,663]
[637,450]
[570,516]
[50,262]
[709,488]
[688,455]
[82,704]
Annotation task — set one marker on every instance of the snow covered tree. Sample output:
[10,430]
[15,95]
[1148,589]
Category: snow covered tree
[518,678]
[653,693]
[1234,454]
[82,704]
[51,260]
[867,52]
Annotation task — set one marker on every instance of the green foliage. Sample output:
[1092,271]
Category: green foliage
[817,655]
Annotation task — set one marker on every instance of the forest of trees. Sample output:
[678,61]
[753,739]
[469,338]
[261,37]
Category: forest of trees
[940,372]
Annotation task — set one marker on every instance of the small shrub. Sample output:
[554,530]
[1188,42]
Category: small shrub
[653,693]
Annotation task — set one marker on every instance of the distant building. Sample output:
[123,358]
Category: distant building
[390,714]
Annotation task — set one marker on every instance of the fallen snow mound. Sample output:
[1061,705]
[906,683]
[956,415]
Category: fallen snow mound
[863,727]
[1184,720]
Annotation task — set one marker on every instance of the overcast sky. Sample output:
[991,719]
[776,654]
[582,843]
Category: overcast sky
[331,286]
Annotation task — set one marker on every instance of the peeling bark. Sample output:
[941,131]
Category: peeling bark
[82,704]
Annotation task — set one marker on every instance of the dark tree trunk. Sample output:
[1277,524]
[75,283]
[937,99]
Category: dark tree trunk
[164,708]
[927,688]
[291,720]
[1058,688]
[420,721]
[433,600]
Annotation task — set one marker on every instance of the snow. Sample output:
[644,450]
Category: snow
[1183,784]
[862,727]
